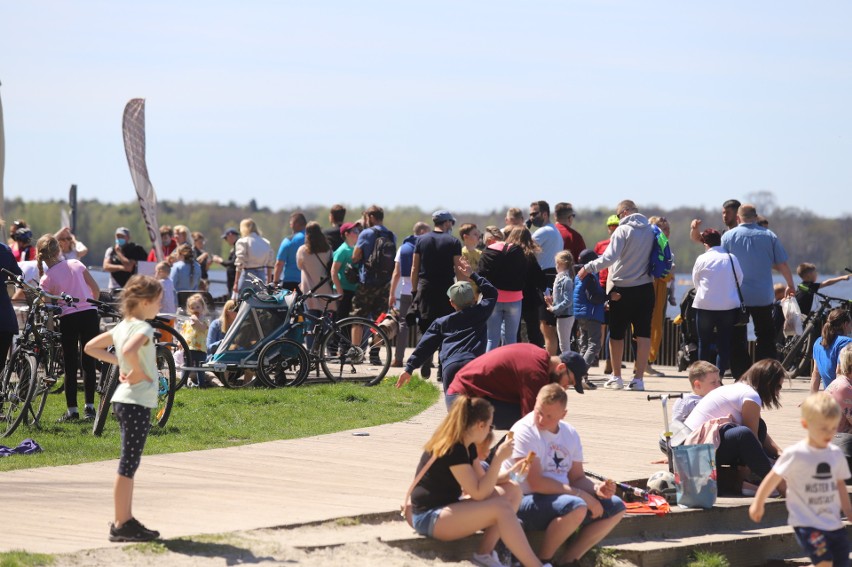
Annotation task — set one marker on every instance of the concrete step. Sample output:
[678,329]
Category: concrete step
[730,514]
[742,548]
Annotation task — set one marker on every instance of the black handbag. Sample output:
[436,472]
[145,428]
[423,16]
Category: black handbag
[742,312]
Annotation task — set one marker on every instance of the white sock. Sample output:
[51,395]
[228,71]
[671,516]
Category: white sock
[72,410]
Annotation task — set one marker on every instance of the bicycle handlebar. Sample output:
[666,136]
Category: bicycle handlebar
[19,282]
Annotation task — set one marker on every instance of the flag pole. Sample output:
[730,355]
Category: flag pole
[2,164]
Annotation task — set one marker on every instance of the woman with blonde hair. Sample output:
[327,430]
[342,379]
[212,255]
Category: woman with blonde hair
[505,265]
[446,469]
[254,255]
[534,284]
[78,323]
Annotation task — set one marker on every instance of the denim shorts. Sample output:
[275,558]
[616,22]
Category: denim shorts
[824,546]
[538,510]
[424,522]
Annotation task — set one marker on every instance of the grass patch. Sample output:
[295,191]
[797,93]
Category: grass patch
[24,559]
[708,559]
[149,547]
[218,417]
[600,557]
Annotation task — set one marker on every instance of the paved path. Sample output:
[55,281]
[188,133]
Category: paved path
[66,509]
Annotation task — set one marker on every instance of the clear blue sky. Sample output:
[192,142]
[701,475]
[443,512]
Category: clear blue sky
[462,104]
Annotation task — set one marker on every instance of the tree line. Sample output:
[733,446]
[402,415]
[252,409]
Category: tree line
[807,237]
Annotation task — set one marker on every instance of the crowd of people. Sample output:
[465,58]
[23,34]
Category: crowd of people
[516,316]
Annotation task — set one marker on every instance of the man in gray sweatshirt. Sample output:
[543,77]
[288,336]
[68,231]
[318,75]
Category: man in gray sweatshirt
[630,290]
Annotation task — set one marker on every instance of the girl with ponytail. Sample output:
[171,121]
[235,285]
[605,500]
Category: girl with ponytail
[78,323]
[835,336]
[446,469]
[186,271]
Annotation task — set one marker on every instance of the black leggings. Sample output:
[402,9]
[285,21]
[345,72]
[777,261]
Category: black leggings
[135,422]
[78,329]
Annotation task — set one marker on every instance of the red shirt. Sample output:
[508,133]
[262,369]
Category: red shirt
[571,239]
[167,249]
[512,373]
[600,248]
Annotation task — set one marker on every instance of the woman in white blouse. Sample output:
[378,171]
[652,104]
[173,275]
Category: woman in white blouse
[253,255]
[716,299]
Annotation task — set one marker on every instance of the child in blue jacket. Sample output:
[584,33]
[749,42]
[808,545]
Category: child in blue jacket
[589,299]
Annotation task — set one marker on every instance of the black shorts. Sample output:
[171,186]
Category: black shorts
[635,307]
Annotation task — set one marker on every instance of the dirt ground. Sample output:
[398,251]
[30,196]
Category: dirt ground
[342,542]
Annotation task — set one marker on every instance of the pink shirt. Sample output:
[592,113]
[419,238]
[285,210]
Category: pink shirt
[67,276]
[841,390]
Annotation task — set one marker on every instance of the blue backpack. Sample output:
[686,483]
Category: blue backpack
[661,255]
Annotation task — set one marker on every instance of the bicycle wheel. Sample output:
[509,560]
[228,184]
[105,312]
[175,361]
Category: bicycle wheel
[165,387]
[17,385]
[368,360]
[795,351]
[57,360]
[106,396]
[282,363]
[50,371]
[177,345]
[235,378]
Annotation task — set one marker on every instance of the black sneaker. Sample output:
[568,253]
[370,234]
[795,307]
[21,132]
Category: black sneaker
[589,384]
[132,530]
[89,414]
[68,417]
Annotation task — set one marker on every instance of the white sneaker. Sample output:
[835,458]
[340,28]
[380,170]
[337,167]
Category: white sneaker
[614,383]
[490,560]
[637,385]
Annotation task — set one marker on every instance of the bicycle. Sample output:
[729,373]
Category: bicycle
[36,362]
[796,353]
[166,373]
[332,346]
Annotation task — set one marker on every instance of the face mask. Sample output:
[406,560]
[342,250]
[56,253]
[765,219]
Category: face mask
[537,221]
[120,241]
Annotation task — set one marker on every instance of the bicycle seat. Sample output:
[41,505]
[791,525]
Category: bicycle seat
[327,296]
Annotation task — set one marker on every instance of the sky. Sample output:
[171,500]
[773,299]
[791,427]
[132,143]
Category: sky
[469,105]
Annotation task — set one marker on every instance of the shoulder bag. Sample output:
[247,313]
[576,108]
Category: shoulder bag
[742,312]
[405,510]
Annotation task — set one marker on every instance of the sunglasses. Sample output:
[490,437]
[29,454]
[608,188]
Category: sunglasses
[64,239]
[535,213]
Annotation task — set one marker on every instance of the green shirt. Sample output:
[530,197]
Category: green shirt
[344,255]
[143,393]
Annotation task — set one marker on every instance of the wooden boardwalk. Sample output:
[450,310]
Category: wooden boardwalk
[66,509]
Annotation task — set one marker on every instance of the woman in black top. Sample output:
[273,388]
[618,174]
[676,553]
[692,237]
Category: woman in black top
[438,511]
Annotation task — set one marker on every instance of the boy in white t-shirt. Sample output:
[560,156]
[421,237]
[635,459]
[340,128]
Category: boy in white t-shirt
[815,471]
[558,497]
[703,377]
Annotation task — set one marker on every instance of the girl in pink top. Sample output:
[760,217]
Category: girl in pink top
[78,322]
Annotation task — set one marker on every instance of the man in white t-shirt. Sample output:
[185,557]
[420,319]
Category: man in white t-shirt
[558,497]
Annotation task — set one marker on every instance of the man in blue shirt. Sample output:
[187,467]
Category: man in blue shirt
[759,252]
[286,260]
